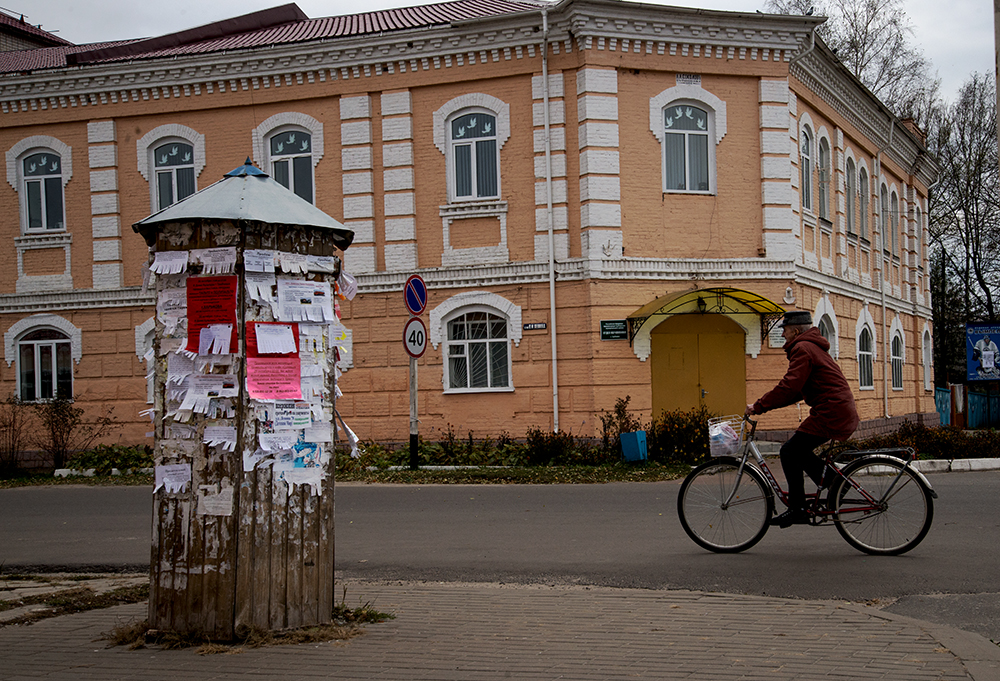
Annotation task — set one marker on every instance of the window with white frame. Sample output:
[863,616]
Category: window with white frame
[850,197]
[477,351]
[44,365]
[866,359]
[474,157]
[42,178]
[824,179]
[863,210]
[894,223]
[686,148]
[173,163]
[805,164]
[927,357]
[292,161]
[826,329]
[918,233]
[883,223]
[897,361]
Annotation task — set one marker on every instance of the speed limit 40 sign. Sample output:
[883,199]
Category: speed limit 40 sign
[415,337]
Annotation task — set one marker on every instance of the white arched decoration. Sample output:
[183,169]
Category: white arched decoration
[691,93]
[38,142]
[508,309]
[261,152]
[865,319]
[474,99]
[825,307]
[41,321]
[143,144]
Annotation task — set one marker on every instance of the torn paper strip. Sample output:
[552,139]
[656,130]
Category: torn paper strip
[260,287]
[179,367]
[215,260]
[172,478]
[169,262]
[347,284]
[215,501]
[351,437]
[251,459]
[214,339]
[293,263]
[322,263]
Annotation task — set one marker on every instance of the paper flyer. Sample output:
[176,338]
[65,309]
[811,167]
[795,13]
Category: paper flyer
[293,263]
[214,339]
[172,478]
[215,260]
[169,262]
[215,501]
[277,442]
[220,436]
[274,378]
[304,301]
[291,416]
[258,260]
[273,335]
[210,300]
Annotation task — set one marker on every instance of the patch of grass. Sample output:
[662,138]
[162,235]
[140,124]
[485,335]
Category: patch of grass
[40,479]
[523,475]
[75,600]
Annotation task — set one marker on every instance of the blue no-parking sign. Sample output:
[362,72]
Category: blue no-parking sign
[415,295]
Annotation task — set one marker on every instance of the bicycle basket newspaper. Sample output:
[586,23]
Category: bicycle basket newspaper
[725,435]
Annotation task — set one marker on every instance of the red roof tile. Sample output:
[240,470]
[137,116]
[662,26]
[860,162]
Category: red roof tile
[215,38]
[33,33]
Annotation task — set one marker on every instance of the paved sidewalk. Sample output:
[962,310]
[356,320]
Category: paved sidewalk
[472,632]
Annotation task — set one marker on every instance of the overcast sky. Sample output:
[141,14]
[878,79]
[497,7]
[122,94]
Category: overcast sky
[956,36]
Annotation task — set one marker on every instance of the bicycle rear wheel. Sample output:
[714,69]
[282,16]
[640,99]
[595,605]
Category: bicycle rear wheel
[901,515]
[709,521]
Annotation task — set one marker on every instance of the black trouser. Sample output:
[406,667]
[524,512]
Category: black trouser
[797,458]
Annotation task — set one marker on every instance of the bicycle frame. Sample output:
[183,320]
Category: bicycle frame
[819,512]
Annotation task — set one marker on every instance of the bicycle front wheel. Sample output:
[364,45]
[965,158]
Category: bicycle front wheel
[719,515]
[892,515]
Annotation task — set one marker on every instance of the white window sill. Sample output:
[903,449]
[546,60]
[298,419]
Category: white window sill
[475,391]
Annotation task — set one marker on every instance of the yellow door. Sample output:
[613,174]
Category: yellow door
[698,359]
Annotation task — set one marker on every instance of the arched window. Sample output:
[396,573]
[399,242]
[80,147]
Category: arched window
[826,329]
[475,163]
[173,163]
[894,223]
[292,161]
[897,362]
[883,223]
[805,163]
[918,234]
[866,359]
[477,351]
[825,176]
[44,365]
[850,196]
[43,189]
[928,360]
[686,130]
[863,210]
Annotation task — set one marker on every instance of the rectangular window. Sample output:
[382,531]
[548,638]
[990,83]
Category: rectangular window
[463,170]
[185,183]
[675,161]
[698,161]
[302,171]
[34,205]
[53,203]
[280,173]
[486,168]
[165,189]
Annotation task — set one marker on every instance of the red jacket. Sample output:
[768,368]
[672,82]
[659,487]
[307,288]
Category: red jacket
[814,376]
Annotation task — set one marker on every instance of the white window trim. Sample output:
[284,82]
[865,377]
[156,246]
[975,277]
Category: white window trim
[927,357]
[806,201]
[472,301]
[688,94]
[15,176]
[467,103]
[831,190]
[825,307]
[283,122]
[42,321]
[865,321]
[851,202]
[144,150]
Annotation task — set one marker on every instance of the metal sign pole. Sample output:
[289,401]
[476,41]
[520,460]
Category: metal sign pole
[413,414]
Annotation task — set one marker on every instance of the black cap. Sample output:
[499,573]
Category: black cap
[797,318]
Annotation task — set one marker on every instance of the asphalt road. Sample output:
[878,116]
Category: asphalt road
[611,535]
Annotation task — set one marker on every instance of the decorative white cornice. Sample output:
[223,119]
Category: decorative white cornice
[83,299]
[835,285]
[36,321]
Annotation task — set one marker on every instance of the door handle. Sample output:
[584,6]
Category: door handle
[703,393]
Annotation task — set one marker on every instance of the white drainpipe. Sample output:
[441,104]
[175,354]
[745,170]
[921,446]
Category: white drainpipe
[550,219]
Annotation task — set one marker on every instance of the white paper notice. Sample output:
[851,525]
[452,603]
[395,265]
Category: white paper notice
[293,263]
[215,260]
[214,339]
[260,286]
[322,263]
[179,367]
[255,260]
[275,339]
[277,442]
[348,285]
[201,390]
[169,262]
[213,501]
[304,301]
[173,478]
[251,459]
[291,415]
[220,436]
[319,432]
[313,477]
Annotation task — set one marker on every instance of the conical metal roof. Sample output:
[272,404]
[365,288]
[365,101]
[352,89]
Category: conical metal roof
[246,193]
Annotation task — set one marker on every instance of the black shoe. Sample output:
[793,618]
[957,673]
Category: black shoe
[793,516]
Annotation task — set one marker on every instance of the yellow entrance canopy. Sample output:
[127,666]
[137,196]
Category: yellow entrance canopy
[719,300]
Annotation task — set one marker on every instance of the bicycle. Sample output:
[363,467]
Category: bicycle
[877,500]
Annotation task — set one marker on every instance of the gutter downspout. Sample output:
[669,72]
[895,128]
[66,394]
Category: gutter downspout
[887,358]
[550,220]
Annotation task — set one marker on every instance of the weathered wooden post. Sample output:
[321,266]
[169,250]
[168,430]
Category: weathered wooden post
[245,381]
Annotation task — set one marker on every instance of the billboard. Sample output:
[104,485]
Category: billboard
[982,362]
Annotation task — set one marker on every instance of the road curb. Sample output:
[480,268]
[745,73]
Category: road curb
[956,465]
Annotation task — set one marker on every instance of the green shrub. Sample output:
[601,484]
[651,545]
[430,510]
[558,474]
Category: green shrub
[619,420]
[942,442]
[679,436]
[103,458]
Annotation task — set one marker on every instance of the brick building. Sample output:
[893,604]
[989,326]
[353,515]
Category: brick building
[604,198]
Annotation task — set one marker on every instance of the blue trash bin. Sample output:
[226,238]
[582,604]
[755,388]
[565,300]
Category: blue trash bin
[634,446]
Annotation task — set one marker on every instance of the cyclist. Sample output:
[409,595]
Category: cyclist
[813,376]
